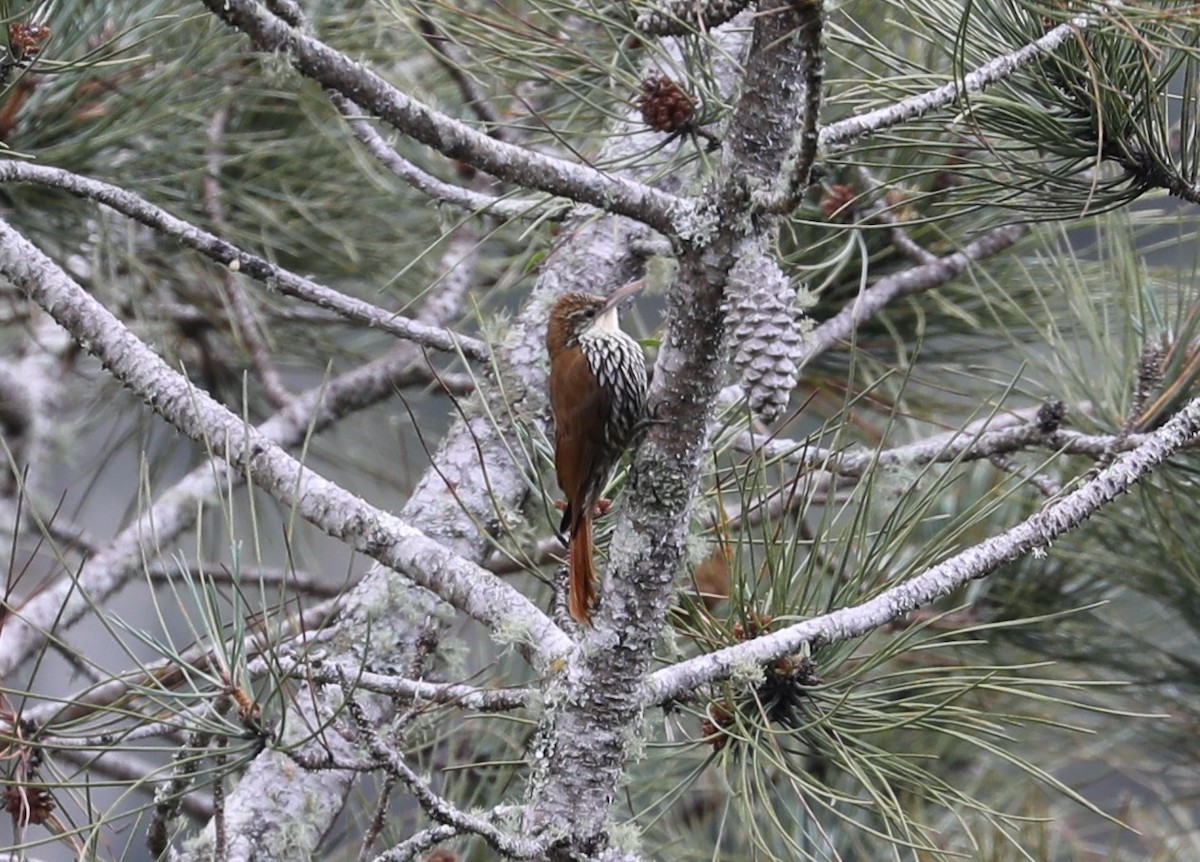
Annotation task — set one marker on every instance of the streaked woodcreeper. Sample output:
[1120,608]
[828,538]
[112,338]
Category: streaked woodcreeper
[597,398]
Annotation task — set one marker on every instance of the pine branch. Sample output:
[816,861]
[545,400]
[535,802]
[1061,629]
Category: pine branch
[843,133]
[453,139]
[228,255]
[1001,435]
[916,279]
[174,511]
[342,515]
[1034,534]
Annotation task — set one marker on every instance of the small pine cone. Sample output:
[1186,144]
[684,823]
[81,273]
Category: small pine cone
[720,715]
[838,203]
[28,805]
[1050,415]
[767,333]
[1150,377]
[665,106]
[25,40]
[755,625]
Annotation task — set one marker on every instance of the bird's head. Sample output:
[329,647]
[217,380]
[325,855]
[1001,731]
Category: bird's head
[574,314]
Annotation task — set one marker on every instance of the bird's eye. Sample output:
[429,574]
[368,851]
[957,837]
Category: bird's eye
[589,312]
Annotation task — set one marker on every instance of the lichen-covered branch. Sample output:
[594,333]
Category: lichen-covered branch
[812,62]
[844,132]
[229,255]
[1037,532]
[593,708]
[452,138]
[1001,435]
[916,279]
[393,542]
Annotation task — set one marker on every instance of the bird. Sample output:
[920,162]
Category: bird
[598,391]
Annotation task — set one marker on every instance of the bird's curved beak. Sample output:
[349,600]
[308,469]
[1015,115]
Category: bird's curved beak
[621,293]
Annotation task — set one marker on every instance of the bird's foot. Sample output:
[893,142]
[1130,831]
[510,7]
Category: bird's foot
[648,420]
[601,508]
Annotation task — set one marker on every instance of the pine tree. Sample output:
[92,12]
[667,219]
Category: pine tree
[901,568]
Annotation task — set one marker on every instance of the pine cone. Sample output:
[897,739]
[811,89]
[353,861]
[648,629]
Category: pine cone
[25,40]
[665,106]
[28,805]
[838,202]
[768,333]
[1150,377]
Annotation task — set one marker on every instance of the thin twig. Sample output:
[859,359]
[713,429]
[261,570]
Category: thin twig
[426,183]
[296,583]
[244,318]
[75,658]
[464,696]
[543,553]
[1046,485]
[436,807]
[379,818]
[451,59]
[901,239]
[917,279]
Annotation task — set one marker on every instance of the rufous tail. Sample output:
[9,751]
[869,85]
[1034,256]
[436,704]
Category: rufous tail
[583,572]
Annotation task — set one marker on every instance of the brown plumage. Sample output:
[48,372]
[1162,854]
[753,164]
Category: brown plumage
[597,395]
